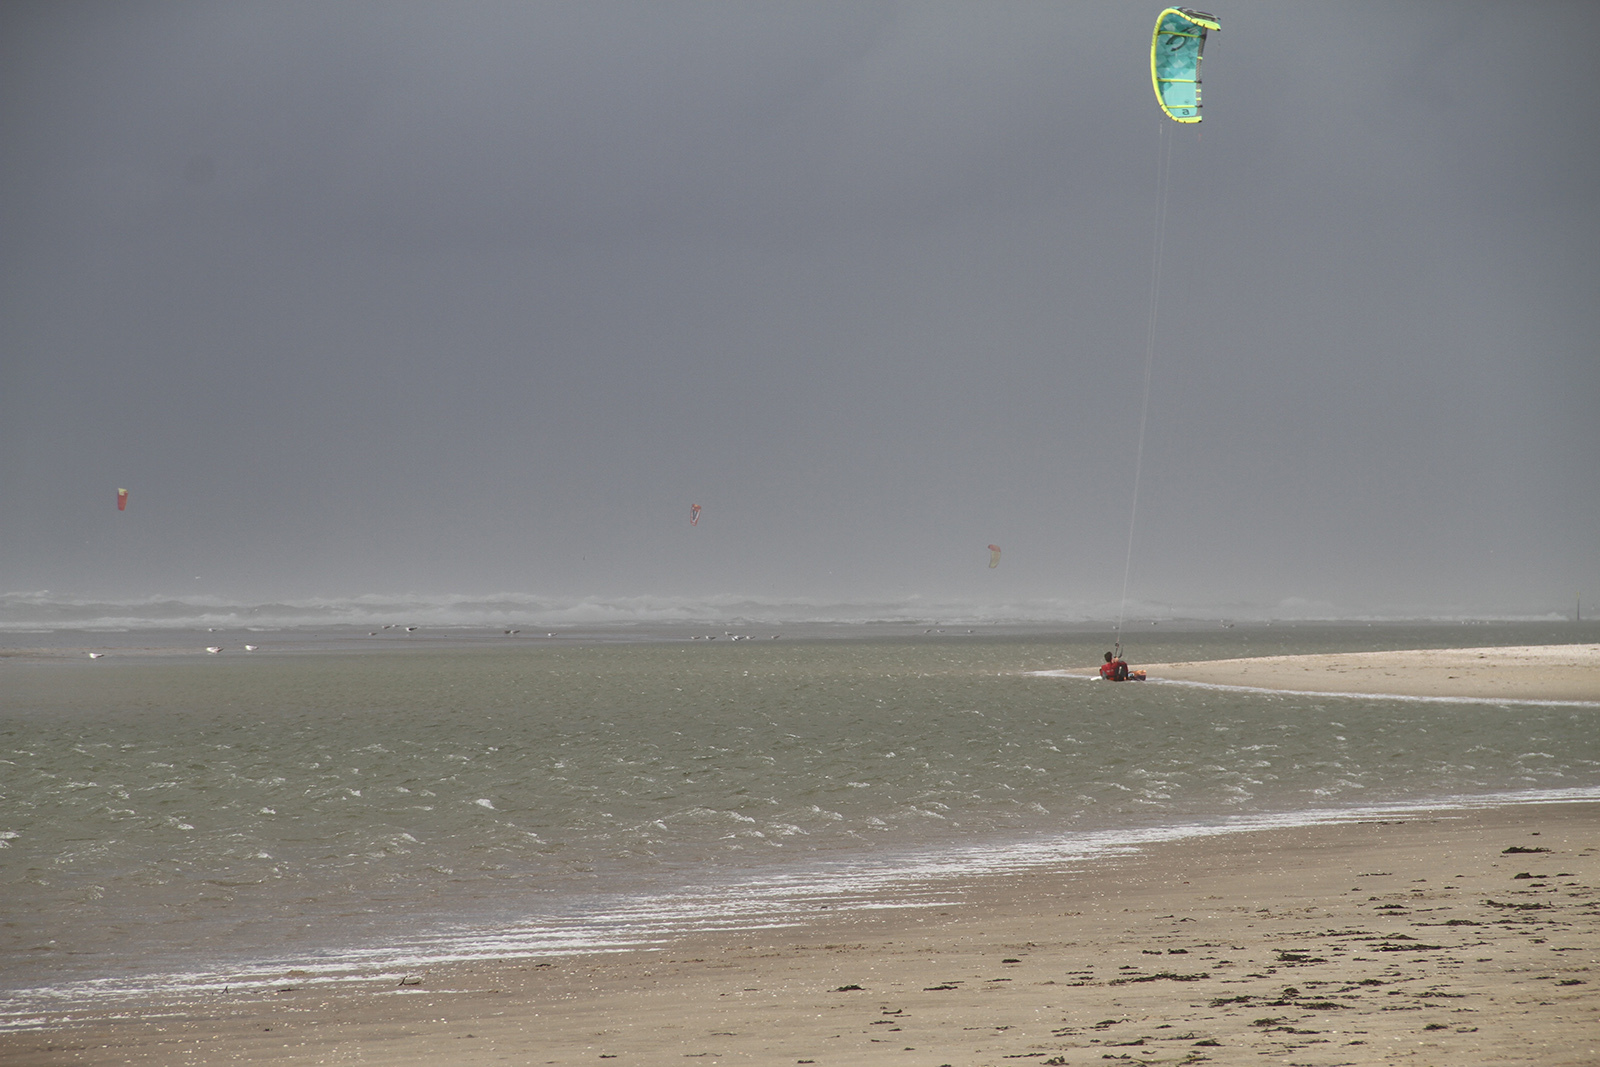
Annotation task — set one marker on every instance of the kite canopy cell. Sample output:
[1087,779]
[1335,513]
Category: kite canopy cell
[1175,52]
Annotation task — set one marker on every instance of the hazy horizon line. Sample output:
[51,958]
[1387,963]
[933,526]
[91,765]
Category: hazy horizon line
[47,610]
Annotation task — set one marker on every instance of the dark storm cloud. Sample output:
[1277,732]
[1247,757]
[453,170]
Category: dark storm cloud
[463,297]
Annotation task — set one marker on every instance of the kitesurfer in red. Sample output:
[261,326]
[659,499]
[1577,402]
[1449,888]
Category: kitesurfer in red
[1115,669]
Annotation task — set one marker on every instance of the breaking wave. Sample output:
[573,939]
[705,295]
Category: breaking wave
[35,611]
[45,610]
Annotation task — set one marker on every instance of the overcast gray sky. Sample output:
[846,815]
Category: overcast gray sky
[377,297]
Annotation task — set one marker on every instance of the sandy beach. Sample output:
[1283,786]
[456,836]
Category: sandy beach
[1462,938]
[1451,937]
[1538,672]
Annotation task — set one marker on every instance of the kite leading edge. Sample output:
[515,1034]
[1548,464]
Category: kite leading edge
[1175,52]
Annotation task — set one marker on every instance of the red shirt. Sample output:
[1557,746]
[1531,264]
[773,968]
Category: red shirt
[1115,671]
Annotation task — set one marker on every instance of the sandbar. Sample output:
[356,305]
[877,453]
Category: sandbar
[1522,673]
[1456,937]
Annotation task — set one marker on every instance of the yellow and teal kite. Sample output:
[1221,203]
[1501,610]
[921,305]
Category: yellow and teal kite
[1175,51]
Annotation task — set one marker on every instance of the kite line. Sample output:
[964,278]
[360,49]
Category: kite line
[1163,176]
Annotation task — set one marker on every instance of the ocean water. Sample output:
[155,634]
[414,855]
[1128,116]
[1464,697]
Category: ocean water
[345,808]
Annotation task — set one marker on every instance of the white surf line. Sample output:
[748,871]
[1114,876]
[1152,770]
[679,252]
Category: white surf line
[1319,693]
[918,878]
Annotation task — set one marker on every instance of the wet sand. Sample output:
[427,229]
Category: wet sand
[1464,939]
[1538,672]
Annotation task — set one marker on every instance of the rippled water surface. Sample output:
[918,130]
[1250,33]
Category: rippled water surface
[212,812]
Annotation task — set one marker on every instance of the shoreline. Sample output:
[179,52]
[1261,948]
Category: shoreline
[1565,674]
[1463,937]
[904,882]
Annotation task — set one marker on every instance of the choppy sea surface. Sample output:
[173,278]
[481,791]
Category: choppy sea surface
[345,804]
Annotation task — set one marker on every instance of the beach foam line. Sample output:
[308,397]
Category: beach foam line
[904,882]
[1413,940]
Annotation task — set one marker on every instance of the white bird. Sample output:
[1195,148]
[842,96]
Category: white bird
[411,629]
[96,655]
[251,648]
[213,649]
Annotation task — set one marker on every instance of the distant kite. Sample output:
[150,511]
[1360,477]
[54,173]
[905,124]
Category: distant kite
[122,500]
[994,556]
[694,514]
[1175,52]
